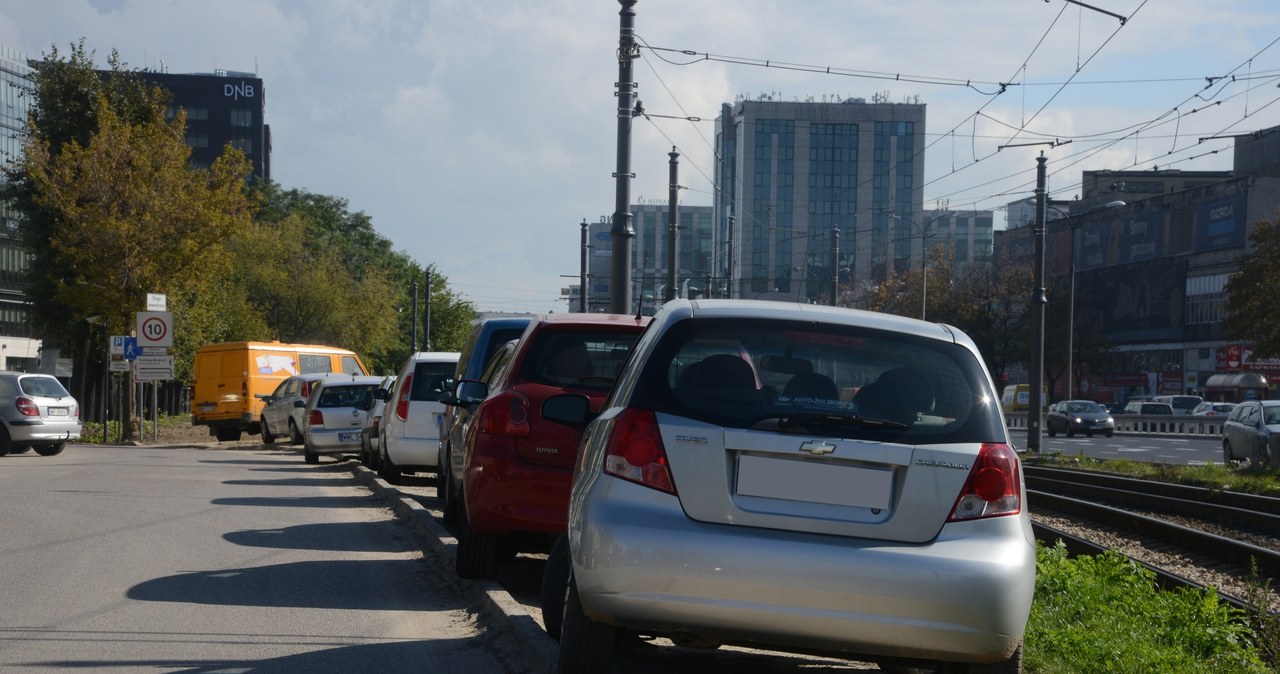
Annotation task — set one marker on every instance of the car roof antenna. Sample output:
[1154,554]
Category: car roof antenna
[639,308]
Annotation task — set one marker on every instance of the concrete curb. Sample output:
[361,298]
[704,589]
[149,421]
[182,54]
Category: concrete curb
[539,652]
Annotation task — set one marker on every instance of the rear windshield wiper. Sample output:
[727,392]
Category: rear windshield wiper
[812,420]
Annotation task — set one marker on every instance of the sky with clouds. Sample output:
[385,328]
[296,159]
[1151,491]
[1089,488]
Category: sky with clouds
[479,134]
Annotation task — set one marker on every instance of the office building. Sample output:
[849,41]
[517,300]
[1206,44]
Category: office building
[223,108]
[807,190]
[19,350]
[694,253]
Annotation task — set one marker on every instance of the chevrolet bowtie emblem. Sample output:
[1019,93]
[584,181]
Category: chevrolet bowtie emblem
[817,447]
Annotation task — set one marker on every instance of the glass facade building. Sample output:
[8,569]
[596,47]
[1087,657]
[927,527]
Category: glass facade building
[809,191]
[19,350]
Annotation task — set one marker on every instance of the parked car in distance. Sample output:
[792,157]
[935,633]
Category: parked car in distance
[1212,409]
[484,340]
[1079,416]
[411,424]
[334,412]
[1181,404]
[281,417]
[371,428]
[1252,433]
[36,411]
[1147,407]
[1017,398]
[517,467]
[797,478]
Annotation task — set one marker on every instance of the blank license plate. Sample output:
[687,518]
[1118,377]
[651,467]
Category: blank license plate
[208,407]
[58,411]
[814,482]
[349,437]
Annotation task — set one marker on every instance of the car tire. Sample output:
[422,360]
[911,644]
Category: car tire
[1227,457]
[1070,433]
[6,443]
[224,434]
[386,469]
[1259,459]
[267,437]
[448,494]
[476,555]
[295,435]
[585,645]
[309,456]
[19,449]
[1011,666]
[51,450]
[555,582]
[1109,433]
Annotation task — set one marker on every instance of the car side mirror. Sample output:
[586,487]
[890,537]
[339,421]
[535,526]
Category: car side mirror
[448,398]
[471,392]
[264,397]
[381,394]
[299,403]
[568,409]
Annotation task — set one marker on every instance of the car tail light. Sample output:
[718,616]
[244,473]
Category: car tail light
[505,414]
[636,453]
[316,418]
[402,400]
[27,407]
[993,488]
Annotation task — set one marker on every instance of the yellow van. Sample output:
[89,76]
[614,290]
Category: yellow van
[230,376]
[1017,398]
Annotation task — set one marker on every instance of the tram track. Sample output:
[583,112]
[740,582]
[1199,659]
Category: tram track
[1187,536]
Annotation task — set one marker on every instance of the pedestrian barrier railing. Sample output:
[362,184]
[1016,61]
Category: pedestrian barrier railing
[1158,424]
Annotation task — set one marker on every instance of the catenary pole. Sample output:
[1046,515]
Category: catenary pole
[1038,301]
[622,232]
[673,223]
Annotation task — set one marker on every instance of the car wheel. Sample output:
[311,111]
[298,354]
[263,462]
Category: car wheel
[364,450]
[1052,432]
[1260,459]
[449,493]
[19,449]
[555,582]
[476,555]
[585,645]
[1011,666]
[295,435]
[267,437]
[1070,433]
[386,469]
[51,450]
[6,443]
[309,456]
[224,434]
[1109,433]
[1089,434]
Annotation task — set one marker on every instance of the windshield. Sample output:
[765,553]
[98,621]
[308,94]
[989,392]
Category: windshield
[808,378]
[1084,408]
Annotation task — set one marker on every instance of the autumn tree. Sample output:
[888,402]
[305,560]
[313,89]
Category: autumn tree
[1253,293]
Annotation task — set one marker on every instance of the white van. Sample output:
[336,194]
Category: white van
[1180,404]
[409,437]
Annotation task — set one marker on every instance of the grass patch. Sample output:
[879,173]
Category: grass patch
[1104,613]
[1211,476]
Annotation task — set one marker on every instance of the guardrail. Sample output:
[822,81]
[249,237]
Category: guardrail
[1147,424]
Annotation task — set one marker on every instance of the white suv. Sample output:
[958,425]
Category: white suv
[410,430]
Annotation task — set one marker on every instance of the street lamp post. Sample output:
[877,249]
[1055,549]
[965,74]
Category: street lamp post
[1074,224]
[1038,301]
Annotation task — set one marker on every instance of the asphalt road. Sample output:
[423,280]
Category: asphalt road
[146,559]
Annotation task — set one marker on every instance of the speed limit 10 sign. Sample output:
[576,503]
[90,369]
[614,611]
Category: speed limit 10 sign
[155,328]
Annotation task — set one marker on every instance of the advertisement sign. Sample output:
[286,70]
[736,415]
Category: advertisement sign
[1142,238]
[1239,358]
[1220,224]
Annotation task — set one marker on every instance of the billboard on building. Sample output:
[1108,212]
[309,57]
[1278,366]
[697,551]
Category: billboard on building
[1220,224]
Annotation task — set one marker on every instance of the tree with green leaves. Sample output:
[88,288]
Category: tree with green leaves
[1253,293]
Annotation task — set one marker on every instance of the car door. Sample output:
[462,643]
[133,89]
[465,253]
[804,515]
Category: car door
[276,411]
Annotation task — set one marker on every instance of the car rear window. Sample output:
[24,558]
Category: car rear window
[42,386]
[579,359]
[349,395]
[430,380]
[767,374]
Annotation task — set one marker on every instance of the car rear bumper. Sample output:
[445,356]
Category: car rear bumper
[345,441]
[410,452]
[507,495]
[963,597]
[44,431]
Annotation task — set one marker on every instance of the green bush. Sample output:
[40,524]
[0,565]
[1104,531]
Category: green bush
[1104,613]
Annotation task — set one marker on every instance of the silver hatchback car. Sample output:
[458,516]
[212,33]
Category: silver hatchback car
[796,478]
[36,411]
[334,413]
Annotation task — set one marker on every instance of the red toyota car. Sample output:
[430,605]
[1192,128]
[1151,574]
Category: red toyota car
[517,467]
